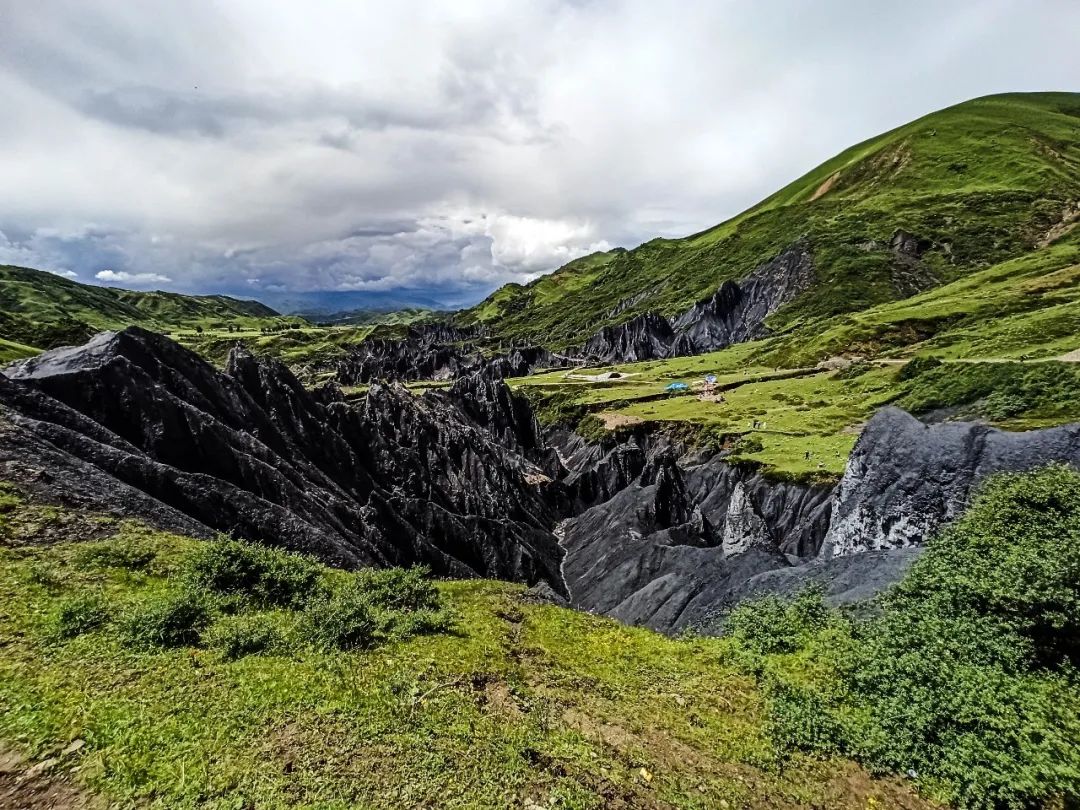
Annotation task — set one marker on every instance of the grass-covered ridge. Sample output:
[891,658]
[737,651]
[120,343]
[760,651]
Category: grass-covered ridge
[181,673]
[981,182]
[42,310]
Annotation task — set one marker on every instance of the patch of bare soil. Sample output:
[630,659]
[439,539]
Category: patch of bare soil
[824,188]
[1070,218]
[1070,357]
[613,421]
[41,786]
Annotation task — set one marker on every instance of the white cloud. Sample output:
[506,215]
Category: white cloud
[452,147]
[110,276]
[65,273]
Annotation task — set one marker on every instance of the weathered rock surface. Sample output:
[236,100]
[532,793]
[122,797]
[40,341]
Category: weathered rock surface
[136,424]
[669,549]
[904,478]
[428,352]
[465,481]
[735,313]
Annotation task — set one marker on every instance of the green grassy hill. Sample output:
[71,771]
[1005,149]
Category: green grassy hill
[981,183]
[41,310]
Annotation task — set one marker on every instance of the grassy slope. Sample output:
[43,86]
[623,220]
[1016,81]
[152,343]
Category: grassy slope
[984,180]
[1028,307]
[520,702]
[32,298]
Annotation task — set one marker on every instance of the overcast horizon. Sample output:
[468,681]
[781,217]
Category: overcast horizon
[263,149]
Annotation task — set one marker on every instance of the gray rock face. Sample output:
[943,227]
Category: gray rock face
[670,549]
[743,526]
[904,479]
[737,311]
[159,433]
[645,337]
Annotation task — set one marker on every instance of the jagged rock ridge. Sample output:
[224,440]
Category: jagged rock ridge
[135,423]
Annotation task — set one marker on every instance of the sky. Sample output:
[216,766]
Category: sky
[262,148]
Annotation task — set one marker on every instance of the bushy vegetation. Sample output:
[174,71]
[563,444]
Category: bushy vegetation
[520,705]
[81,614]
[248,571]
[126,553]
[998,391]
[239,636]
[966,680]
[376,606]
[917,365]
[175,618]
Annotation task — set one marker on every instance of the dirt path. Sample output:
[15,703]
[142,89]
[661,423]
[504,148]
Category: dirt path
[42,786]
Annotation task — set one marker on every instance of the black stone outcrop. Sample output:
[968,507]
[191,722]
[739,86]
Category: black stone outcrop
[134,423]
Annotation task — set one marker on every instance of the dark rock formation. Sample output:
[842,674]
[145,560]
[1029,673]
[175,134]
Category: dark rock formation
[428,352]
[136,424]
[670,549]
[904,478]
[642,338]
[737,311]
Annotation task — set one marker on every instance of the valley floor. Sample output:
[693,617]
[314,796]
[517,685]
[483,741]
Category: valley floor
[520,704]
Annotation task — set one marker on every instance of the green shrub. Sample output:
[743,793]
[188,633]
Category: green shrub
[749,444]
[240,569]
[342,620]
[399,588]
[917,365]
[132,555]
[78,615]
[967,677]
[376,605]
[173,619]
[240,636]
[773,624]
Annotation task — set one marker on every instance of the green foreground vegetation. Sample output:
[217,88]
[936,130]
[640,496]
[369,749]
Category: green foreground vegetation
[182,673]
[966,679]
[189,673]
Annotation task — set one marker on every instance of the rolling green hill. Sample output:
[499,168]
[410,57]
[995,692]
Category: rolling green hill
[978,184]
[41,310]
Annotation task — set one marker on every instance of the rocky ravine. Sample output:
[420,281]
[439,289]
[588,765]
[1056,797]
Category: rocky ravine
[465,481]
[735,313]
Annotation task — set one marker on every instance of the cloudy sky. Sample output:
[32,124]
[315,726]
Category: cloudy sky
[255,147]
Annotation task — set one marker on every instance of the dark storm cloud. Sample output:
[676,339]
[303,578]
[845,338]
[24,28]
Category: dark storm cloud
[250,146]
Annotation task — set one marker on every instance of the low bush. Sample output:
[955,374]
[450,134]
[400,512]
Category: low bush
[374,606]
[967,677]
[240,636]
[266,576]
[916,366]
[342,620]
[172,619]
[78,615]
[131,555]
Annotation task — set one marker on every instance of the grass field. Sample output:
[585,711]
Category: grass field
[515,705]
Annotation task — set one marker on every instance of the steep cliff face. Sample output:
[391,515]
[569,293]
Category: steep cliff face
[428,352]
[737,311]
[162,434]
[904,478]
[671,548]
[465,481]
[645,337]
[734,313]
